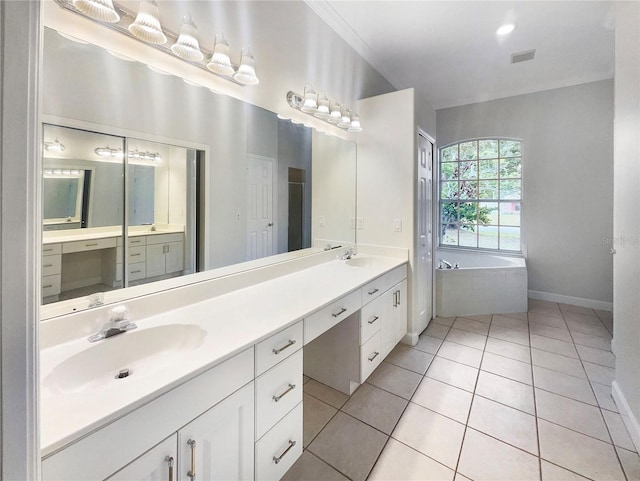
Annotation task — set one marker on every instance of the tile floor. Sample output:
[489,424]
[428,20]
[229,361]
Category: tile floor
[503,397]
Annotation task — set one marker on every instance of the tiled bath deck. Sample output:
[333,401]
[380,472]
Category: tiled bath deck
[504,397]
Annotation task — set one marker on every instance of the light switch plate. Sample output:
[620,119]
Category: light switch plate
[321,221]
[360,223]
[397,225]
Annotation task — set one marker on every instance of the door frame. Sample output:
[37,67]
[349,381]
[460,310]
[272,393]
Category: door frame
[274,197]
[434,210]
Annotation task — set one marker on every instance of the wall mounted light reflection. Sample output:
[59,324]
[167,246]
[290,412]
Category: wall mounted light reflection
[328,110]
[55,146]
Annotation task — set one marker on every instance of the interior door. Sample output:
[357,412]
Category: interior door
[260,208]
[424,294]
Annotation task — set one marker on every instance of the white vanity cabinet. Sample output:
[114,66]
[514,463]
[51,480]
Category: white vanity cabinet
[51,271]
[165,254]
[157,464]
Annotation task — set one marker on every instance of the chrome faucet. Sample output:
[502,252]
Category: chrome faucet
[116,325]
[448,264]
[348,254]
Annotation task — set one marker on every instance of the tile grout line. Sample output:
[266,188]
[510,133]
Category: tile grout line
[535,404]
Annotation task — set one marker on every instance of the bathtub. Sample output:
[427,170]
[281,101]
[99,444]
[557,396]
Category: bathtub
[484,284]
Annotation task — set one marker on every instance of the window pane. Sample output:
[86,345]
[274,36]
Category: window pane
[510,168]
[488,237]
[468,236]
[469,150]
[448,170]
[510,213]
[510,189]
[468,190]
[449,154]
[510,148]
[450,235]
[449,190]
[510,238]
[468,212]
[488,189]
[448,215]
[488,213]
[468,170]
[488,149]
[489,169]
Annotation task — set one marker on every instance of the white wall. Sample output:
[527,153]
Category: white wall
[626,266]
[567,162]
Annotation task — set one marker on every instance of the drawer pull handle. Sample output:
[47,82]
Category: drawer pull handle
[373,291]
[47,265]
[135,255]
[192,471]
[398,297]
[279,458]
[91,245]
[136,272]
[340,312]
[47,250]
[375,318]
[287,391]
[375,354]
[288,344]
[169,461]
[47,286]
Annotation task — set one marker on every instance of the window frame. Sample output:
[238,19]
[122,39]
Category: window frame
[487,250]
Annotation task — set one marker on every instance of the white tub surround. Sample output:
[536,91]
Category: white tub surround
[186,339]
[483,284]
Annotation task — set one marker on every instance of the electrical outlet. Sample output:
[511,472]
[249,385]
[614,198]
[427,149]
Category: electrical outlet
[360,223]
[397,225]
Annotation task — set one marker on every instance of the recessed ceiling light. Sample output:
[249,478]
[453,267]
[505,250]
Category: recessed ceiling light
[506,29]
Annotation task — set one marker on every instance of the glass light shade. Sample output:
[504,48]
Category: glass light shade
[146,26]
[102,10]
[109,152]
[334,112]
[323,107]
[54,146]
[345,121]
[355,124]
[187,46]
[310,104]
[246,73]
[220,62]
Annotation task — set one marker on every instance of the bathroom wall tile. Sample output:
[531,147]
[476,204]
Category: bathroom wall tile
[603,396]
[603,343]
[428,344]
[430,433]
[510,323]
[349,445]
[400,462]
[379,409]
[409,358]
[395,379]
[466,338]
[630,463]
[547,320]
[562,334]
[618,430]
[597,356]
[325,393]
[563,384]
[506,391]
[504,423]
[311,468]
[553,345]
[459,353]
[579,453]
[472,326]
[503,366]
[551,472]
[436,330]
[444,399]
[557,362]
[445,321]
[508,349]
[600,374]
[576,415]
[485,458]
[316,415]
[454,373]
[511,335]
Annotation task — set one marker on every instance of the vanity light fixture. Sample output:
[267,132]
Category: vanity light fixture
[310,104]
[246,73]
[323,111]
[55,146]
[334,109]
[102,10]
[108,152]
[146,26]
[220,62]
[146,155]
[61,172]
[187,46]
[321,107]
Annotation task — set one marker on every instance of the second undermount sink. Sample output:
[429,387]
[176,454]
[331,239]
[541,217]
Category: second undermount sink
[141,352]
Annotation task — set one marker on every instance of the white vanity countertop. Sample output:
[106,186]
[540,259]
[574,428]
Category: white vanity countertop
[93,233]
[232,322]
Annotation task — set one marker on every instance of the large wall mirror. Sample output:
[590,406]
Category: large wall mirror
[248,187]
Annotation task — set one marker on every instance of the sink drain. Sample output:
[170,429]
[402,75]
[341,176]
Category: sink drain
[122,373]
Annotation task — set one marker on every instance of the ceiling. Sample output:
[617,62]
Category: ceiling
[450,53]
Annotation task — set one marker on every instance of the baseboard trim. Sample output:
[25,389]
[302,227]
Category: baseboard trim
[576,301]
[628,418]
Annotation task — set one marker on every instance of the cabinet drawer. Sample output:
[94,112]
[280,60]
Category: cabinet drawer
[51,249]
[372,316]
[137,241]
[277,391]
[278,347]
[370,356]
[378,286]
[137,271]
[324,319]
[137,254]
[88,245]
[51,265]
[280,448]
[51,285]
[164,238]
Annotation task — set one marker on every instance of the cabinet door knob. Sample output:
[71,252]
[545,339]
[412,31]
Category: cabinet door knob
[192,472]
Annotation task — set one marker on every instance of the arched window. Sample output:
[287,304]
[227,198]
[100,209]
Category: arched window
[481,194]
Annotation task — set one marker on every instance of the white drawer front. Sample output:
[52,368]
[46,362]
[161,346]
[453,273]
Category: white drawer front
[383,283]
[51,249]
[276,451]
[324,319]
[164,238]
[137,254]
[370,356]
[278,347]
[51,285]
[372,316]
[137,241]
[277,391]
[88,245]
[137,271]
[51,265]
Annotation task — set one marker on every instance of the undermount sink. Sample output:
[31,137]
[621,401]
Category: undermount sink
[365,261]
[141,352]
